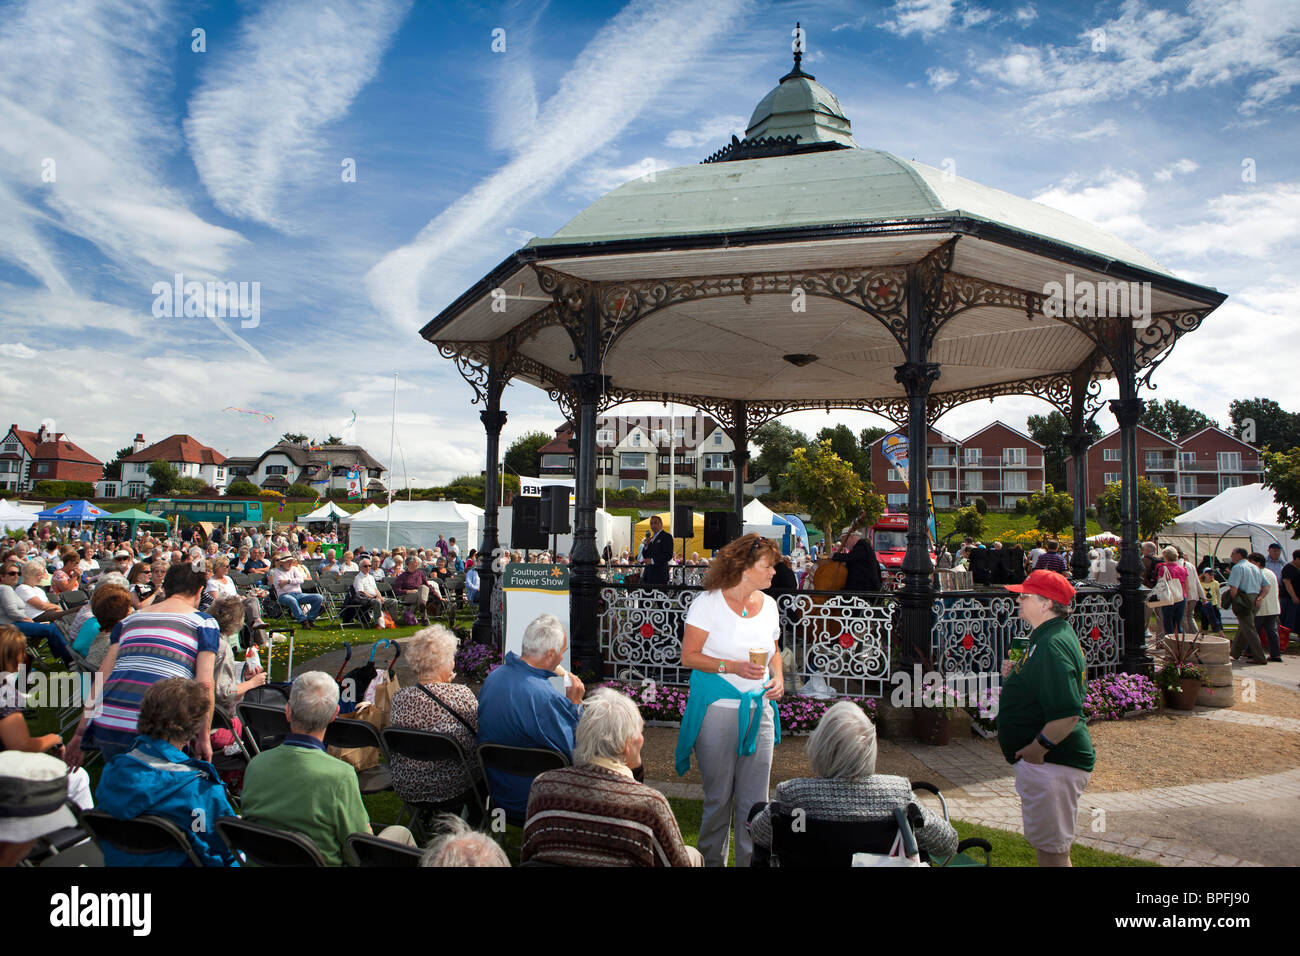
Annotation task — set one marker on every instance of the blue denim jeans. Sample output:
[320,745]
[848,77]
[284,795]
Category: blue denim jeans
[294,603]
[53,636]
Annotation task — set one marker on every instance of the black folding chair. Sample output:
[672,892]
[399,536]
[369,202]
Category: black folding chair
[349,732]
[48,849]
[140,836]
[429,746]
[366,850]
[265,725]
[526,762]
[267,845]
[72,600]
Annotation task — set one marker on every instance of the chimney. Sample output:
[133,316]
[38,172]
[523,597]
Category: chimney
[138,444]
[40,435]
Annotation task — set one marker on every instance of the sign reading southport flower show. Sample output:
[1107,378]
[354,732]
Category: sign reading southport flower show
[531,590]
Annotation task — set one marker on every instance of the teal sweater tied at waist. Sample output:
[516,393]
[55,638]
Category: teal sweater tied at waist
[705,690]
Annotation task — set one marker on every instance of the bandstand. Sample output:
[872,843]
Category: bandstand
[908,291]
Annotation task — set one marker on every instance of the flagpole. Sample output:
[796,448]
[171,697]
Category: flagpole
[392,435]
[672,466]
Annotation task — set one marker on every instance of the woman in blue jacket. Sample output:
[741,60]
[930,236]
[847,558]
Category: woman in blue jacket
[156,777]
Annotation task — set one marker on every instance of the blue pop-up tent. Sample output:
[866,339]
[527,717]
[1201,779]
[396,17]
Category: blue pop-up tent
[797,529]
[71,512]
[761,519]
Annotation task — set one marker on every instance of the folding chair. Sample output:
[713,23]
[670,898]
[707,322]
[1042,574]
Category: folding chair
[49,848]
[349,732]
[267,845]
[265,725]
[366,850]
[141,836]
[428,745]
[72,600]
[526,762]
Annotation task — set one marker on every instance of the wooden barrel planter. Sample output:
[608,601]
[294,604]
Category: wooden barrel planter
[931,726]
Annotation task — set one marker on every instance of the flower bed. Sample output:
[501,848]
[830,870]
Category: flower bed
[475,661]
[985,719]
[1113,696]
[667,704]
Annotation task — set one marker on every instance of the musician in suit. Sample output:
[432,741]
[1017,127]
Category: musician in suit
[863,567]
[658,551]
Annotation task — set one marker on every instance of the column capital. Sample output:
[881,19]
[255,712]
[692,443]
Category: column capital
[493,420]
[917,377]
[1127,411]
[588,386]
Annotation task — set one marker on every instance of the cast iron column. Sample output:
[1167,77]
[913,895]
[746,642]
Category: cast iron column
[1127,410]
[493,419]
[739,458]
[584,582]
[916,376]
[1078,443]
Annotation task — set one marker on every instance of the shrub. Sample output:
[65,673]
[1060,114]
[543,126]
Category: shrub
[1090,512]
[299,490]
[1022,506]
[969,522]
[188,486]
[626,494]
[243,488]
[981,506]
[1114,695]
[269,493]
[50,488]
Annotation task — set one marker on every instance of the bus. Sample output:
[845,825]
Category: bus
[206,509]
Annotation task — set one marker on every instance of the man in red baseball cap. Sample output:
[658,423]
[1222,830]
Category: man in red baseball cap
[1040,718]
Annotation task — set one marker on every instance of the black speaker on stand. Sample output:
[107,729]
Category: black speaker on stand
[555,510]
[720,528]
[525,524]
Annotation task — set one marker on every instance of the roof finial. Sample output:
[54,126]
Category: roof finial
[798,46]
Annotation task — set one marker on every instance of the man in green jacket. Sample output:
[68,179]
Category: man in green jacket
[299,786]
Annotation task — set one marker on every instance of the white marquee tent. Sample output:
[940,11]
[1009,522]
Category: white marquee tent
[1245,516]
[417,524]
[16,517]
[364,513]
[326,512]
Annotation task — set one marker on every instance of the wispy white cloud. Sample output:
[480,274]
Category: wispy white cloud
[1026,14]
[716,131]
[940,78]
[1113,201]
[927,17]
[1255,223]
[1180,167]
[662,36]
[595,180]
[254,121]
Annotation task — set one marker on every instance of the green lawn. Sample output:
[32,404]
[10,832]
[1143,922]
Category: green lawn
[999,523]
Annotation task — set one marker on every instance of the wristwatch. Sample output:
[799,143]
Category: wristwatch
[722,667]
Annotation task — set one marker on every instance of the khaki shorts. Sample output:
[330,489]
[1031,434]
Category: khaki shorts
[1049,803]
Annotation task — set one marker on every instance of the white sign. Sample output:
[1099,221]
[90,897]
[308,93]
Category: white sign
[530,591]
[532,487]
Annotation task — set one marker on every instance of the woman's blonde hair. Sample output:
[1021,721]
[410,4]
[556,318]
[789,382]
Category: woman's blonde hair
[431,650]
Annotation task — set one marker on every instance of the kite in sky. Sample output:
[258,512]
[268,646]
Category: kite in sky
[266,416]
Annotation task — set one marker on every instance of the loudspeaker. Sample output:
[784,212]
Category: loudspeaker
[683,521]
[720,528]
[525,525]
[555,510]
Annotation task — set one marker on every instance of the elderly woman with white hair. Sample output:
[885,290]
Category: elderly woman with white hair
[595,813]
[846,788]
[435,704]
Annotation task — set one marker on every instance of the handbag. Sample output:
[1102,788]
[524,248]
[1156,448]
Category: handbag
[365,758]
[895,856]
[1166,592]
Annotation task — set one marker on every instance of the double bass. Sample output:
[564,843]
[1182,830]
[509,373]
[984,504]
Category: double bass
[829,574]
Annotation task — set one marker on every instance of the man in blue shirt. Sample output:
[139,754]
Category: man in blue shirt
[1244,584]
[520,707]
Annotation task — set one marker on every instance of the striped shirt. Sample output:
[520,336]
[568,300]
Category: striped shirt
[151,646]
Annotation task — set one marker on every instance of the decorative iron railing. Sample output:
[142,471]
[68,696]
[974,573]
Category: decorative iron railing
[844,638]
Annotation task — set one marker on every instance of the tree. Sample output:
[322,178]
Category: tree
[777,443]
[1264,423]
[969,523]
[1282,475]
[827,485]
[294,438]
[164,477]
[333,440]
[1054,510]
[1173,419]
[868,436]
[299,490]
[1053,433]
[522,456]
[113,470]
[1155,507]
[845,444]
[242,488]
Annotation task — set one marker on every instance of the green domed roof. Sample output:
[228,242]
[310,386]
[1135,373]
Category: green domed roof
[800,106]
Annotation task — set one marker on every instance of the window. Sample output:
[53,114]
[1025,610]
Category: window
[1016,481]
[1110,454]
[896,502]
[557,461]
[1187,459]
[632,483]
[276,470]
[720,485]
[221,473]
[717,438]
[140,468]
[1229,481]
[605,436]
[971,456]
[8,466]
[973,482]
[679,434]
[635,439]
[715,462]
[940,457]
[897,474]
[1229,461]
[607,465]
[1187,484]
[633,461]
[941,482]
[1013,456]
[110,491]
[43,468]
[1110,478]
[941,501]
[11,448]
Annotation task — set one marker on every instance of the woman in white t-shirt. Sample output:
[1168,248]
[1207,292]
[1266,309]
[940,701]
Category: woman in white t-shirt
[730,628]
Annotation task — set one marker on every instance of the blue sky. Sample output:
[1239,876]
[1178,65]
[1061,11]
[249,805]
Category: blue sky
[227,165]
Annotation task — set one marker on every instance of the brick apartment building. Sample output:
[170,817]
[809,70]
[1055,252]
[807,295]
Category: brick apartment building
[996,463]
[1193,469]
